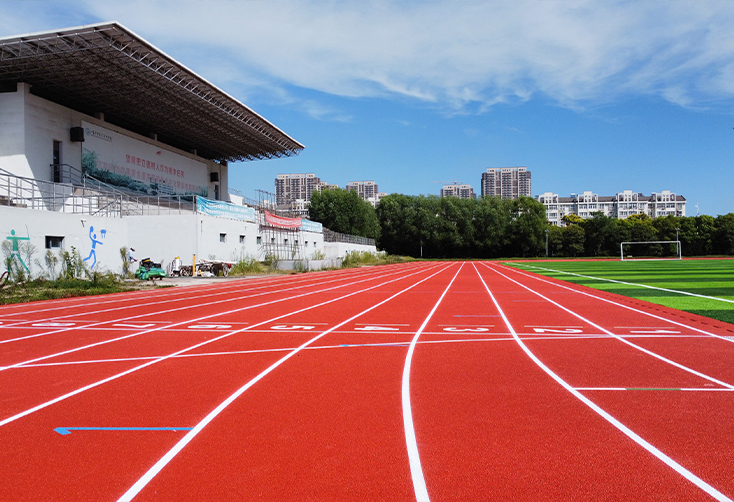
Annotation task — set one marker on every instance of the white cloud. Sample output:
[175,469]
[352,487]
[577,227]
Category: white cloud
[460,56]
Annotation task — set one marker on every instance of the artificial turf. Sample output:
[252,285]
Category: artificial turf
[712,278]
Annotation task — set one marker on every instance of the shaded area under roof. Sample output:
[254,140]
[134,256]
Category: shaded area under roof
[107,68]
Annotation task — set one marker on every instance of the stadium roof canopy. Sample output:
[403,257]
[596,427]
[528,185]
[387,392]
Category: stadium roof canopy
[106,68]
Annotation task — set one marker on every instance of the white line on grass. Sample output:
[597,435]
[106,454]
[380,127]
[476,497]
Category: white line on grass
[710,490]
[671,321]
[630,284]
[163,461]
[620,338]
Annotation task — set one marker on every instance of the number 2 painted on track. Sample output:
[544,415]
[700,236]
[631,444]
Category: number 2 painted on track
[553,330]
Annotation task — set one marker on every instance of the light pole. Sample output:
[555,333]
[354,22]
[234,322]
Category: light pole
[546,243]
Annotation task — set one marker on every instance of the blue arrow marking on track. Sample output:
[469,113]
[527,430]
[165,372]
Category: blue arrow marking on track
[67,430]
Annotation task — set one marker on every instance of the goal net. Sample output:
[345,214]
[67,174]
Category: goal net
[650,250]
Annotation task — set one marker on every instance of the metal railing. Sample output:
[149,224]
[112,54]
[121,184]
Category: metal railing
[81,194]
[330,236]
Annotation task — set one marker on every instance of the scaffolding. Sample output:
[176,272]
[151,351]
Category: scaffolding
[277,242]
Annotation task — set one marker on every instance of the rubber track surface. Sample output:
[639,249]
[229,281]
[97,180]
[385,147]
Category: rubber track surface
[519,387]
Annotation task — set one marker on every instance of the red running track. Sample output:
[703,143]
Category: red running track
[438,381]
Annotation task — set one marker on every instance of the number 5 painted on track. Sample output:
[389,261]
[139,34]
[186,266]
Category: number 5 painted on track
[293,327]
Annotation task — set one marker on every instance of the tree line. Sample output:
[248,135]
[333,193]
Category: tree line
[491,227]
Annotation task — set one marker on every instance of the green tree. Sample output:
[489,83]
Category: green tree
[527,227]
[555,240]
[572,240]
[344,211]
[600,236]
[491,218]
[572,219]
[397,215]
[724,237]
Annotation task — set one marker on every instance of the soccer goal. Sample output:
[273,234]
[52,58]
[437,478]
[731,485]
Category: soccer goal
[650,250]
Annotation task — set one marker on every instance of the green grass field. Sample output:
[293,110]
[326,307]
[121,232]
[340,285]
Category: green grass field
[712,280]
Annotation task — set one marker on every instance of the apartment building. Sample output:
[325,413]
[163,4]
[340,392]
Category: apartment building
[506,182]
[460,191]
[621,205]
[367,190]
[292,188]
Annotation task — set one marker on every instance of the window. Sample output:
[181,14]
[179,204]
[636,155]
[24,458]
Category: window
[54,242]
[56,161]
[242,239]
[306,243]
[259,240]
[222,237]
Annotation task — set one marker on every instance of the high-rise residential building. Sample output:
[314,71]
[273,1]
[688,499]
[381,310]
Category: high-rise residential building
[506,182]
[367,190]
[621,205]
[456,190]
[291,188]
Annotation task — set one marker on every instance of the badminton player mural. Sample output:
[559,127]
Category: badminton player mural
[15,253]
[93,252]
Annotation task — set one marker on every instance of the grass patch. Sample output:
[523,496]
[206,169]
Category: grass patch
[712,278]
[363,258]
[42,289]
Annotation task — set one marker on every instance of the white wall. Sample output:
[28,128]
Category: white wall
[74,228]
[29,125]
[160,238]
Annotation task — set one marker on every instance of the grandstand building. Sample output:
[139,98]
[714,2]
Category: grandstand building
[107,142]
[621,205]
[506,182]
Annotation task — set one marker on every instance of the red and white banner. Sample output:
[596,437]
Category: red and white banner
[279,221]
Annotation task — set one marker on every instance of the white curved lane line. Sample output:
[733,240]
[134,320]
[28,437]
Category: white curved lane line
[620,338]
[416,470]
[710,490]
[158,466]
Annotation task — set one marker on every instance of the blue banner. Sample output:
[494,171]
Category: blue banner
[311,226]
[224,209]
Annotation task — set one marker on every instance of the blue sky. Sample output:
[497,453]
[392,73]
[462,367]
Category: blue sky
[600,96]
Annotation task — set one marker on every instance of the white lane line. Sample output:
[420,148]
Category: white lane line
[660,318]
[632,389]
[232,286]
[632,284]
[111,340]
[620,338]
[710,490]
[416,470]
[193,347]
[163,461]
[187,307]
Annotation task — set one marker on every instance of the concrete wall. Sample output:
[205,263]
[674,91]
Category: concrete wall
[78,231]
[160,238]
